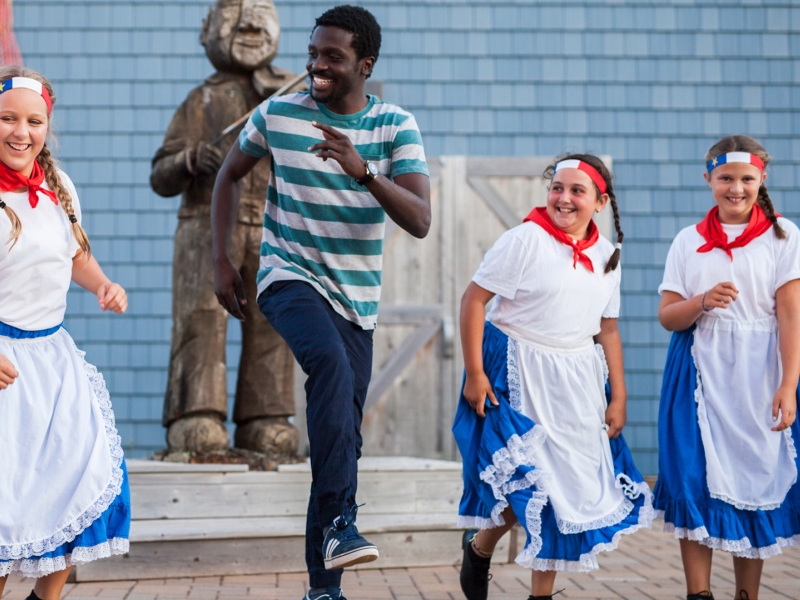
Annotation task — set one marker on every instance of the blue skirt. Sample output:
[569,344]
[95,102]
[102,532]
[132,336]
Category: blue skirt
[682,497]
[510,434]
[106,536]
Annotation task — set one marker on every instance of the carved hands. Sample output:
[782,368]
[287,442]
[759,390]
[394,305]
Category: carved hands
[203,159]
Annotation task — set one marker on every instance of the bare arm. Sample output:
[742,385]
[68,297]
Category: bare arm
[676,313]
[784,404]
[610,340]
[228,285]
[406,199]
[473,314]
[86,272]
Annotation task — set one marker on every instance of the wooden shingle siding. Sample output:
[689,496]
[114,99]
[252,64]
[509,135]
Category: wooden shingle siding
[650,84]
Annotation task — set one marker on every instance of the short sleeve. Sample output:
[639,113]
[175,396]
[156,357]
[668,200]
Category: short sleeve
[503,266]
[408,153]
[253,138]
[675,270]
[76,207]
[788,267]
[611,310]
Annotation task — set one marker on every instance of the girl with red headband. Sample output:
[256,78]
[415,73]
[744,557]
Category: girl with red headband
[537,424]
[64,494]
[727,428]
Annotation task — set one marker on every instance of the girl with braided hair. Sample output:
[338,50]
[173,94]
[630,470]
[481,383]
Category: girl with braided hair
[543,404]
[727,429]
[63,483]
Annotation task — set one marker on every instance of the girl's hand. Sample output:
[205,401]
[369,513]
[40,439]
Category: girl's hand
[616,417]
[720,296]
[7,372]
[111,296]
[476,388]
[785,403]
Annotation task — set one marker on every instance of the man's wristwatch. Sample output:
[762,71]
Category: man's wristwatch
[371,173]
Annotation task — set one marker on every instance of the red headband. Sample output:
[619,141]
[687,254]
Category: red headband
[586,168]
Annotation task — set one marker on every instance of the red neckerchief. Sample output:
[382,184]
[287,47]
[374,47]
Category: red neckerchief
[711,230]
[540,217]
[11,180]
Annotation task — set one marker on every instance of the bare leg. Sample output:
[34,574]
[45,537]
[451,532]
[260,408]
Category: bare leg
[487,539]
[542,582]
[50,586]
[748,575]
[3,584]
[696,566]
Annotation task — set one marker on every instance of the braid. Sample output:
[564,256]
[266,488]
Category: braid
[765,203]
[16,226]
[45,160]
[613,260]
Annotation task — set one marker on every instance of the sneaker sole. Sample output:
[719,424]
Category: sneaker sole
[356,557]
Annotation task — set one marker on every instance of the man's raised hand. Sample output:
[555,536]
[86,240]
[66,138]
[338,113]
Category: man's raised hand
[339,147]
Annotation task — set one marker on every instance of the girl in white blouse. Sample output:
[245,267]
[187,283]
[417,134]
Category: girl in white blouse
[537,426]
[63,483]
[727,457]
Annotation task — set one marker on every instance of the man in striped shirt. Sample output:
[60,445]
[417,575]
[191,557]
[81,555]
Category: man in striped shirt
[341,162]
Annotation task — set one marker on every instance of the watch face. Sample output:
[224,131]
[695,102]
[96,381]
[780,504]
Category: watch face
[372,168]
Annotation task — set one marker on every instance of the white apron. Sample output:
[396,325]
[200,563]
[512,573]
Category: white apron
[60,454]
[738,372]
[562,389]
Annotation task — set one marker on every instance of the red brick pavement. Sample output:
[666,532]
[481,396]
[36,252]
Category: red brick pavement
[645,567]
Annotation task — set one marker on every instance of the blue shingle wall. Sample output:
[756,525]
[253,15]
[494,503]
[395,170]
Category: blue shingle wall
[652,84]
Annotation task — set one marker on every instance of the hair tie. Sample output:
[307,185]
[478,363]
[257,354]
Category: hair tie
[73,218]
[735,157]
[586,168]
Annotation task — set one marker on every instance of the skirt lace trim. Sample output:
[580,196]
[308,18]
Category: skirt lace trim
[40,567]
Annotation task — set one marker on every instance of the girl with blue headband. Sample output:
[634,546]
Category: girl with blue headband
[727,428]
[64,495]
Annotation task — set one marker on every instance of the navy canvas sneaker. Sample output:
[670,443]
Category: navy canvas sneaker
[343,546]
[332,593]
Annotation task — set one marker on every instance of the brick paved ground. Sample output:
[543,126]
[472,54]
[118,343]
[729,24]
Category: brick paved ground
[646,567]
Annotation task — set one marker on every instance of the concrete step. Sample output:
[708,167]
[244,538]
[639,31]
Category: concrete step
[211,520]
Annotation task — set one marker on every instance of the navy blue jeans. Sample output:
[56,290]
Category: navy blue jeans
[337,357]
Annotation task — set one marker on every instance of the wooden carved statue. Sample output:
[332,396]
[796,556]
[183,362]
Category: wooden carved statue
[240,39]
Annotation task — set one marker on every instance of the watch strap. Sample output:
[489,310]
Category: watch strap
[367,177]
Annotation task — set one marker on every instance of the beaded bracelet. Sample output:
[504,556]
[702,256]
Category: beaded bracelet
[703,302]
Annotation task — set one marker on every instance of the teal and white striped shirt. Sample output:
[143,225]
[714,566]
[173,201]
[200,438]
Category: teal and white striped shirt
[320,226]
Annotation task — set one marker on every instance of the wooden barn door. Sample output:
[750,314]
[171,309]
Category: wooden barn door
[417,364]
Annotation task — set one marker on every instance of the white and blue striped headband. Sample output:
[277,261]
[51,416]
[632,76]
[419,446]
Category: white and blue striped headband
[30,84]
[735,157]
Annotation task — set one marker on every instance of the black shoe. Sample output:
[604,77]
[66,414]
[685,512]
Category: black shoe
[474,570]
[743,595]
[33,596]
[704,595]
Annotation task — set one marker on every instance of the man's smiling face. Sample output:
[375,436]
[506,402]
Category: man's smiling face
[333,64]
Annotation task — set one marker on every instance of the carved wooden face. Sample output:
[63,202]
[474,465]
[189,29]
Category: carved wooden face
[241,35]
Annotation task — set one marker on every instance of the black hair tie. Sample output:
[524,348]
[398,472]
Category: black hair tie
[73,218]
